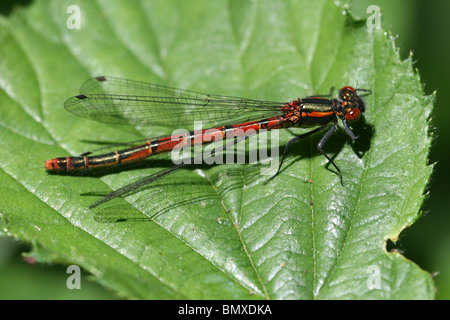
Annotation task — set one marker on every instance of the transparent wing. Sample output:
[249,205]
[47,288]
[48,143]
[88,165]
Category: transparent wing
[121,101]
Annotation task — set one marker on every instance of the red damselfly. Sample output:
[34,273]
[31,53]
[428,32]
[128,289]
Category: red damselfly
[121,101]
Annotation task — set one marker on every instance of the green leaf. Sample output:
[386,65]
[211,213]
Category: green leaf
[216,232]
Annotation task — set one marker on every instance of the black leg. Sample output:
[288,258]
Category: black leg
[321,144]
[287,147]
[349,132]
[323,95]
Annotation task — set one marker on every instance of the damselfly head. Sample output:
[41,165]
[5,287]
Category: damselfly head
[352,104]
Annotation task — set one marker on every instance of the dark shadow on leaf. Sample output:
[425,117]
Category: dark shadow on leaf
[360,146]
[333,146]
[157,185]
[365,132]
[197,192]
[180,196]
[122,213]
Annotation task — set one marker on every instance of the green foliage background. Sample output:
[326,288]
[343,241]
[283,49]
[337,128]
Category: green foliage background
[113,278]
[422,28]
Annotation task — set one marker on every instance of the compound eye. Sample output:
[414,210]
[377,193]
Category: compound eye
[353,115]
[349,89]
[346,92]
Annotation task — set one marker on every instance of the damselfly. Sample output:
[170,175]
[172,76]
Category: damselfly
[120,101]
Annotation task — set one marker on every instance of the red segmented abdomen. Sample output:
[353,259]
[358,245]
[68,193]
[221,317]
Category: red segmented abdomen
[161,145]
